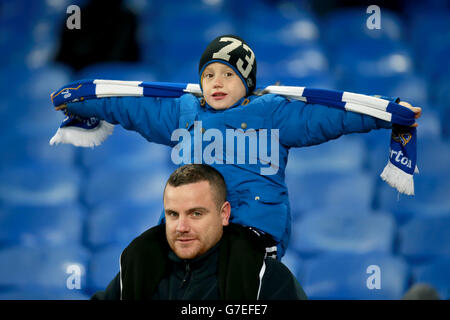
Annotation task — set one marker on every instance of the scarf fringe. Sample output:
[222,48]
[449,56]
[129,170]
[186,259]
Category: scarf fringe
[80,137]
[398,179]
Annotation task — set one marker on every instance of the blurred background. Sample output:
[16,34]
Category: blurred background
[66,213]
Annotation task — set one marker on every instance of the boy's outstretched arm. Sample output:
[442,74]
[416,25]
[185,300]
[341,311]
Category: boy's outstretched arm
[154,118]
[303,124]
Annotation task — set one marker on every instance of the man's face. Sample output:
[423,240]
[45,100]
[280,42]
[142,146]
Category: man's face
[222,87]
[194,223]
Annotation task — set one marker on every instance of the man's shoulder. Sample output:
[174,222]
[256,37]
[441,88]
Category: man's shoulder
[154,234]
[277,267]
[280,283]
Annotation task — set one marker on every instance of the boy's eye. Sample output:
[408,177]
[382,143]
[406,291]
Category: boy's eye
[229,74]
[208,75]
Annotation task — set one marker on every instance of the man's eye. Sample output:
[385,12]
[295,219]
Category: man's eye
[172,214]
[196,214]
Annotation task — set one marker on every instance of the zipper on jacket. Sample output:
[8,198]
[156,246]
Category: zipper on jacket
[187,275]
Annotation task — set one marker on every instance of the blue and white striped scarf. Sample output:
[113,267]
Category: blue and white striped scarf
[398,172]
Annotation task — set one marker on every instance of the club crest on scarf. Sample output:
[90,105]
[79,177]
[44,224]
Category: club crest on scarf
[402,138]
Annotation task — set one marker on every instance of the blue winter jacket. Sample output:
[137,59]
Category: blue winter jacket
[243,144]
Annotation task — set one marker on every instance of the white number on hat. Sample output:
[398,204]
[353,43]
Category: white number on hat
[224,55]
[245,72]
[224,52]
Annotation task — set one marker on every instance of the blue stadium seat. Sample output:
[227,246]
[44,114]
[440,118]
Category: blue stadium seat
[28,86]
[39,184]
[350,192]
[424,38]
[119,225]
[343,233]
[425,238]
[24,148]
[103,267]
[435,273]
[310,173]
[344,26]
[37,226]
[347,154]
[41,82]
[125,149]
[112,185]
[47,268]
[354,277]
[358,65]
[276,43]
[442,96]
[296,64]
[43,294]
[126,71]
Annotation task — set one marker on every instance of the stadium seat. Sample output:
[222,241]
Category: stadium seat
[126,71]
[125,149]
[119,225]
[103,267]
[344,26]
[425,40]
[343,233]
[39,184]
[49,268]
[141,185]
[425,238]
[355,277]
[435,273]
[43,294]
[25,148]
[368,68]
[350,192]
[347,154]
[43,81]
[37,226]
[295,65]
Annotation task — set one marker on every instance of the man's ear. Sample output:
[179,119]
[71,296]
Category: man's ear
[225,212]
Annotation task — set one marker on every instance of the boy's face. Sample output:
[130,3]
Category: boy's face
[222,87]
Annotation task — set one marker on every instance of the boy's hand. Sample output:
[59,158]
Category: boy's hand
[416,110]
[61,107]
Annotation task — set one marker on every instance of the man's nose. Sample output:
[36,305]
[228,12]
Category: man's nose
[182,225]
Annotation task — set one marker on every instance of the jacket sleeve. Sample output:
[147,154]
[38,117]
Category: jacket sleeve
[304,124]
[112,292]
[154,118]
[279,283]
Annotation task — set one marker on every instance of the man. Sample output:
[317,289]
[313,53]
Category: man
[198,254]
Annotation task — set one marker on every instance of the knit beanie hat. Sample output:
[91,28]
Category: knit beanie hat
[234,52]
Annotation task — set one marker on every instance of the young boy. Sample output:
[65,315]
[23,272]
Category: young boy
[228,115]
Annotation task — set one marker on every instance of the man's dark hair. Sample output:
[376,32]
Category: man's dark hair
[192,173]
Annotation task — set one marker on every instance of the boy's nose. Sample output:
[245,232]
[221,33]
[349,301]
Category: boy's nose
[218,83]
